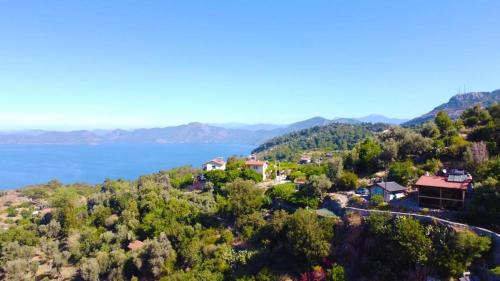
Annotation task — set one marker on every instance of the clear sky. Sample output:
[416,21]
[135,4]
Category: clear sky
[104,64]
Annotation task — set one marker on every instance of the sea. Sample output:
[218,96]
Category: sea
[22,165]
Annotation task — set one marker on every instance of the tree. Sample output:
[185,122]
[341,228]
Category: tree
[378,224]
[432,166]
[279,221]
[297,175]
[489,169]
[89,269]
[468,246]
[348,181]
[308,237]
[164,181]
[430,130]
[53,229]
[414,144]
[249,174]
[412,239]
[369,152]
[390,151]
[316,274]
[16,262]
[67,203]
[244,197]
[157,257]
[11,212]
[454,252]
[54,184]
[234,163]
[484,208]
[475,116]
[402,172]
[479,152]
[334,168]
[248,224]
[319,185]
[376,200]
[217,177]
[443,121]
[282,191]
[208,187]
[336,273]
[99,215]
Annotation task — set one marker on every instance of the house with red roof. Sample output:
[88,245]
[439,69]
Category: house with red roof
[215,164]
[447,191]
[258,166]
[135,245]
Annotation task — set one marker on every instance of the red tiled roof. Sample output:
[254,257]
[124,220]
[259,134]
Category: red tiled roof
[46,211]
[217,161]
[437,181]
[255,163]
[135,245]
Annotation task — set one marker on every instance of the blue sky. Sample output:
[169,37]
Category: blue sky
[106,64]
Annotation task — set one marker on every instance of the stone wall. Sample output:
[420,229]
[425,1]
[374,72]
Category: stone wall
[495,237]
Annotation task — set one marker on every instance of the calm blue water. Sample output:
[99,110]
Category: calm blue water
[22,165]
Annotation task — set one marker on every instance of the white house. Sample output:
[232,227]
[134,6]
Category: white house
[389,190]
[258,166]
[215,164]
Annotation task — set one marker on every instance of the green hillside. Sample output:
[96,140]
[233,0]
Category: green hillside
[331,137]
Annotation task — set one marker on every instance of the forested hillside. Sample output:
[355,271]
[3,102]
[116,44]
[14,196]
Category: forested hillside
[326,138]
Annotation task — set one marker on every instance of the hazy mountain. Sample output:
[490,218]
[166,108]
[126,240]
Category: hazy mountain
[376,118]
[312,122]
[189,133]
[250,127]
[346,121]
[457,104]
[309,123]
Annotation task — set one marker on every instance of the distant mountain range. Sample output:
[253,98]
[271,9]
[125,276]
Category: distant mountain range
[457,104]
[250,127]
[253,134]
[376,118]
[189,133]
[315,121]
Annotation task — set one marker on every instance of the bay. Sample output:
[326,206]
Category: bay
[22,165]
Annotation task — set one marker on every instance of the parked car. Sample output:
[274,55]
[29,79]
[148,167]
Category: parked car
[362,191]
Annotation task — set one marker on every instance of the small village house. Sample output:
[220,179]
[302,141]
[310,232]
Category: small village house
[447,191]
[215,164]
[258,166]
[305,160]
[135,245]
[389,190]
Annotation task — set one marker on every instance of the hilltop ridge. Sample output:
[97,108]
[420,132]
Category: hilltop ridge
[457,104]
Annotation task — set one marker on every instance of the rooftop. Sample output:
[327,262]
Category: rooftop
[391,186]
[218,161]
[252,162]
[135,245]
[443,182]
